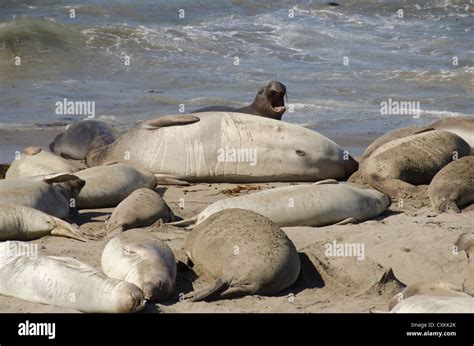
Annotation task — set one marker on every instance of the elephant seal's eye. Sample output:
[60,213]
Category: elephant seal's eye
[300,153]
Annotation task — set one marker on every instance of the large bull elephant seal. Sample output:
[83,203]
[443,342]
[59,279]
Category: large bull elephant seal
[396,167]
[82,137]
[453,186]
[53,194]
[269,103]
[320,204]
[244,252]
[228,147]
[63,281]
[107,186]
[137,257]
[37,161]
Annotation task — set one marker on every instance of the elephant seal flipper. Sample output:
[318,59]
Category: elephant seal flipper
[167,179]
[217,287]
[58,178]
[169,120]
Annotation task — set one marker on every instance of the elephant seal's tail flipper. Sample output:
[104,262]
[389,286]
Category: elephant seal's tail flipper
[219,286]
[184,223]
[169,120]
[167,179]
[65,229]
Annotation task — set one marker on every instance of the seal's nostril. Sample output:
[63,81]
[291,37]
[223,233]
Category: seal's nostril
[300,152]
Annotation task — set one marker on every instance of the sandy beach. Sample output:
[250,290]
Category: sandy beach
[404,245]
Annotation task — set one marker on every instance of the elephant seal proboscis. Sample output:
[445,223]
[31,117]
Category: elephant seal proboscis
[141,208]
[134,256]
[244,252]
[398,166]
[437,288]
[269,103]
[63,281]
[81,137]
[323,203]
[453,186]
[228,147]
[107,186]
[52,194]
[36,161]
[18,222]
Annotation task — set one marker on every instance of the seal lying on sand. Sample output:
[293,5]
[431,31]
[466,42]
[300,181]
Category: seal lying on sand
[107,186]
[81,137]
[269,102]
[36,161]
[136,257]
[453,186]
[245,252]
[320,204]
[141,208]
[227,147]
[63,282]
[50,194]
[18,222]
[397,166]
[435,304]
[438,289]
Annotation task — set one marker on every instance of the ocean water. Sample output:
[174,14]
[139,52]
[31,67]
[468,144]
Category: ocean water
[338,62]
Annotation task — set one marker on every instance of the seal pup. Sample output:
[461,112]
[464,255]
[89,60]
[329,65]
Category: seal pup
[269,103]
[228,147]
[52,194]
[453,186]
[81,137]
[437,288]
[244,252]
[141,208]
[107,186]
[63,281]
[323,203]
[36,161]
[136,257]
[397,167]
[18,222]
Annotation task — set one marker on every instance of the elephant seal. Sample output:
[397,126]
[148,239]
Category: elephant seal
[52,194]
[37,161]
[141,208]
[462,126]
[435,304]
[398,166]
[320,204]
[465,242]
[81,137]
[107,186]
[244,252]
[453,186]
[228,147]
[18,222]
[438,289]
[63,281]
[269,103]
[138,258]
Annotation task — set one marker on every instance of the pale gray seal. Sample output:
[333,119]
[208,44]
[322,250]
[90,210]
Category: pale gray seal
[269,103]
[245,252]
[462,126]
[107,186]
[18,222]
[54,195]
[320,204]
[228,147]
[453,186]
[63,281]
[433,304]
[141,208]
[81,137]
[137,257]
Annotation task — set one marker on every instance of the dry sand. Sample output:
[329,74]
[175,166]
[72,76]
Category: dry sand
[411,240]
